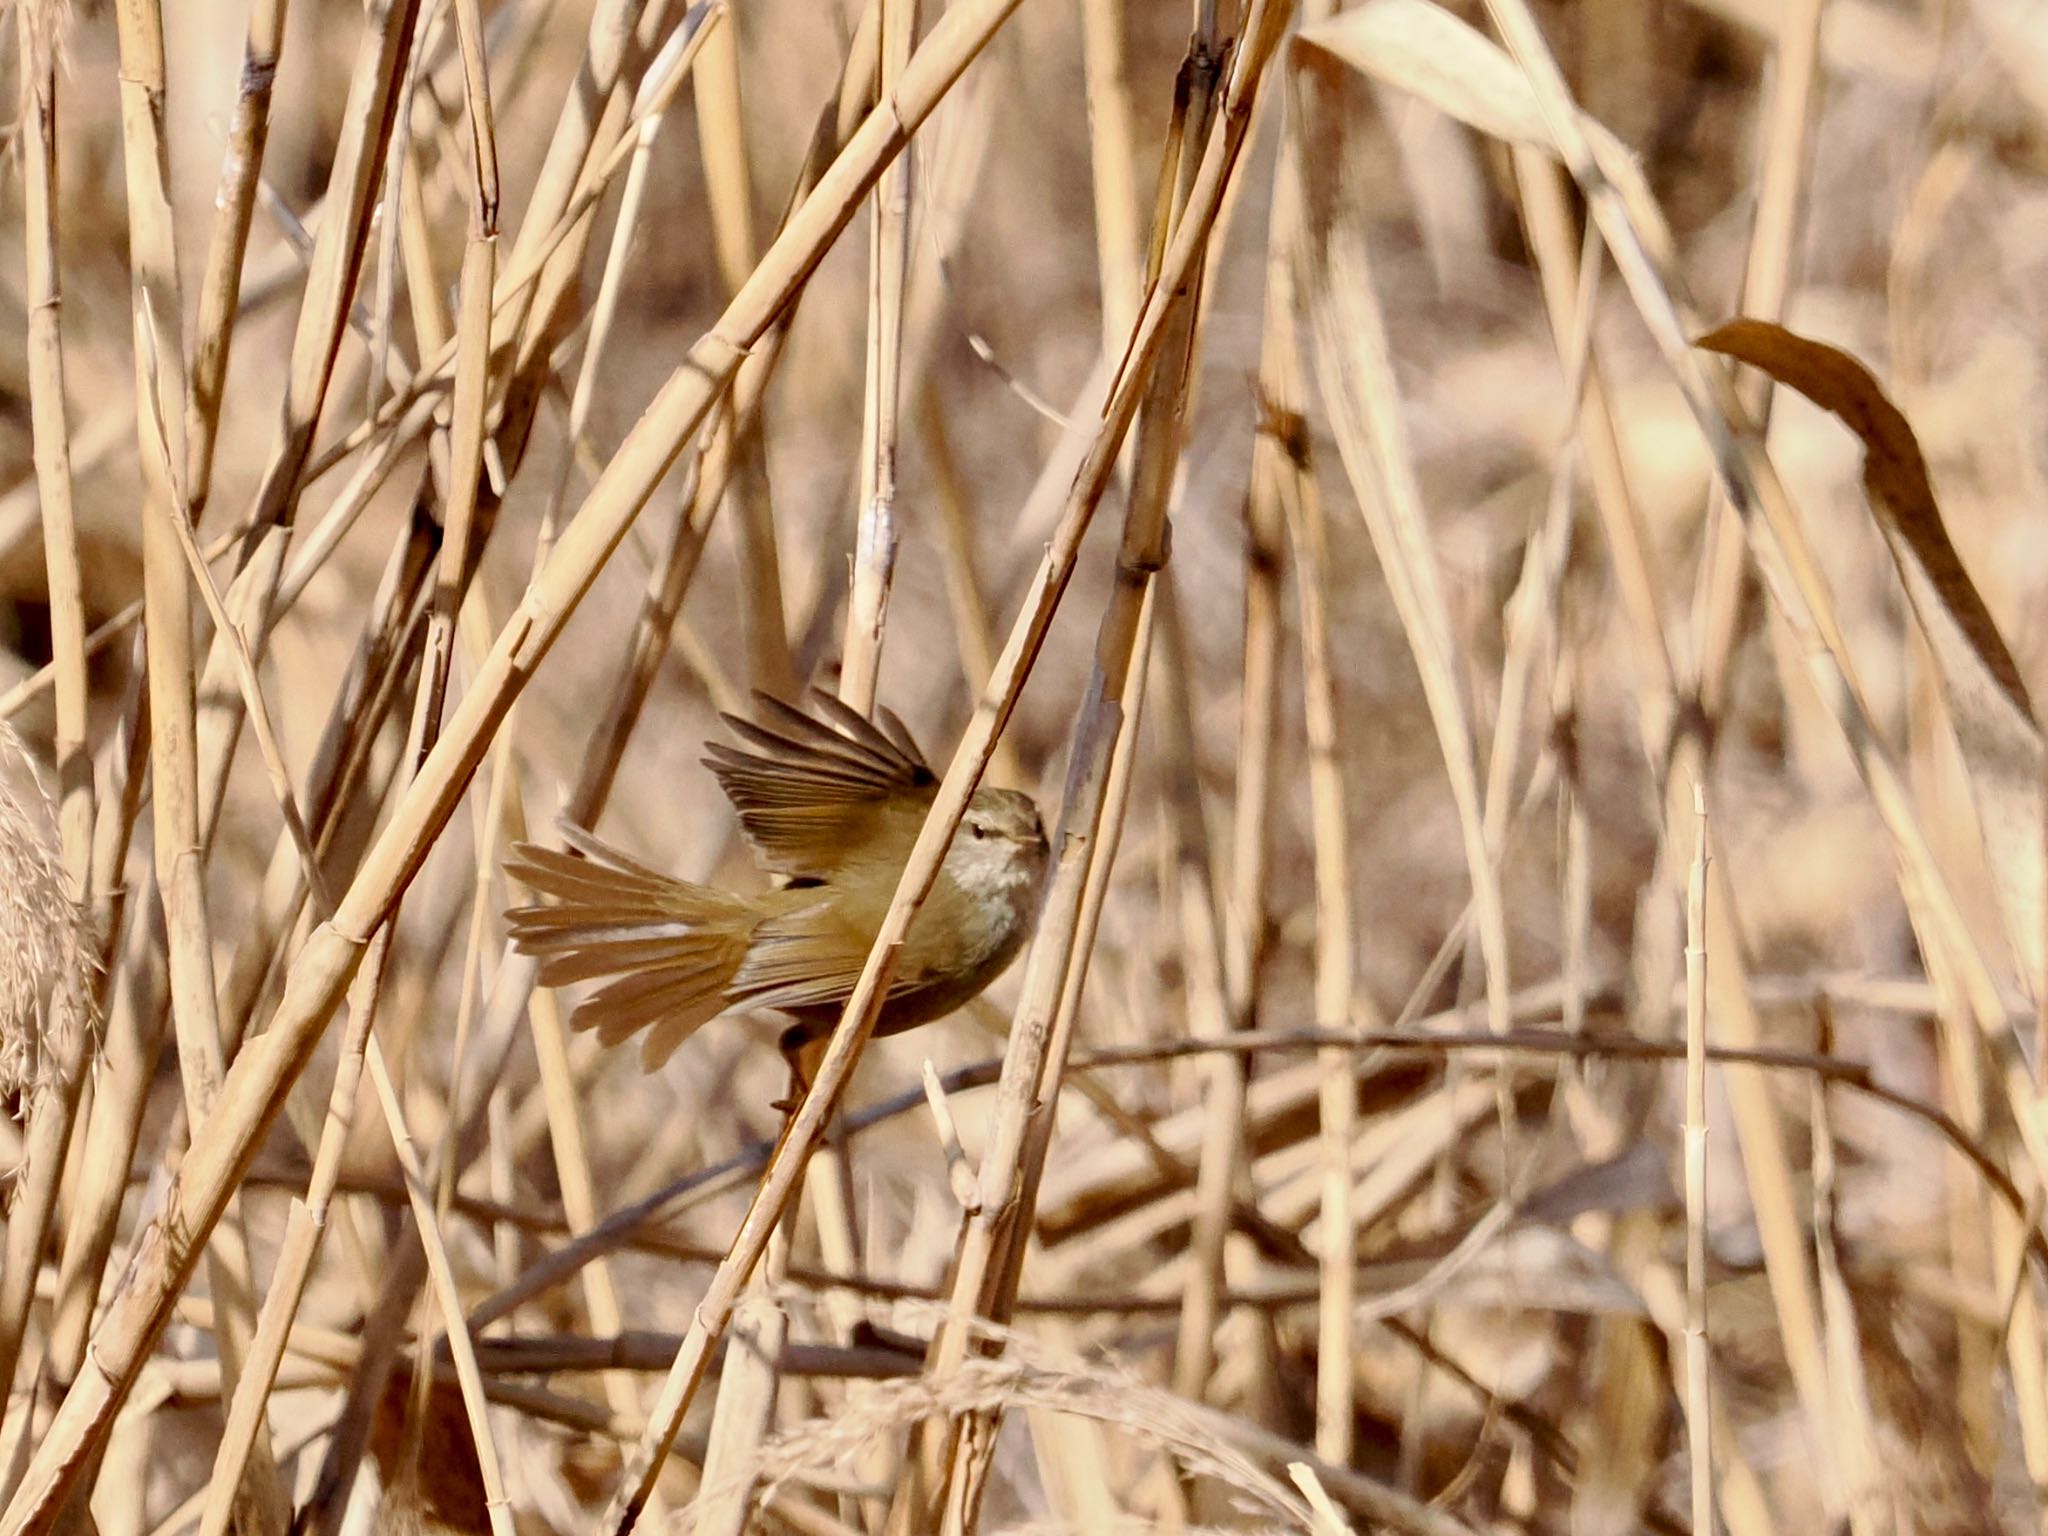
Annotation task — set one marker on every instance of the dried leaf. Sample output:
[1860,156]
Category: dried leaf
[1987,701]
[1421,48]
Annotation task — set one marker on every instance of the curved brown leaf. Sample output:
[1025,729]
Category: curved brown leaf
[1987,701]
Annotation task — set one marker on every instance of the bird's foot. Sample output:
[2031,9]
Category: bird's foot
[794,1044]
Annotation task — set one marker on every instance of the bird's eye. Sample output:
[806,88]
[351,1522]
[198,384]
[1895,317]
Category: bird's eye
[977,829]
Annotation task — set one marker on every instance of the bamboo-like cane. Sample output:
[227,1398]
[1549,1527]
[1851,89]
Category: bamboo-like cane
[67,1037]
[254,1092]
[982,1262]
[1698,1384]
[235,202]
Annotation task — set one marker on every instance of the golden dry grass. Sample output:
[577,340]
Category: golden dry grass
[1533,1025]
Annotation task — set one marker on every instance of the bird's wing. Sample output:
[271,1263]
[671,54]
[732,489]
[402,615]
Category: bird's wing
[810,789]
[810,955]
[802,958]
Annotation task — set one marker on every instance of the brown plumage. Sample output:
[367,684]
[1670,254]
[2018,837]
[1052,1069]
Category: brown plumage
[833,803]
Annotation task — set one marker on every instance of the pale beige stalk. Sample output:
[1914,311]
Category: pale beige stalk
[254,1092]
[63,1012]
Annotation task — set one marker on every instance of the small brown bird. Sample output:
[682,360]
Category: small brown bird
[835,805]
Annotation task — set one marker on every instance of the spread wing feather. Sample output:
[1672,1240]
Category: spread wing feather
[808,788]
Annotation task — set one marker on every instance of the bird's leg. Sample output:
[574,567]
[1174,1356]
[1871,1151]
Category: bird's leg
[801,1047]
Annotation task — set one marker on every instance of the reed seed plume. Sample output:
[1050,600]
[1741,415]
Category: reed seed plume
[42,935]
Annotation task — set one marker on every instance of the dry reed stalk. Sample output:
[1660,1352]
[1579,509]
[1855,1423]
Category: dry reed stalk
[156,301]
[472,373]
[248,686]
[1760,1136]
[743,1413]
[1355,373]
[1283,475]
[604,308]
[989,1249]
[728,177]
[530,262]
[1186,846]
[1972,1219]
[1212,1011]
[592,122]
[132,1038]
[729,191]
[506,814]
[341,760]
[47,1002]
[1551,229]
[1698,1380]
[227,248]
[972,627]
[874,559]
[1534,610]
[968,761]
[446,1293]
[1766,285]
[304,1228]
[1113,158]
[827,1179]
[1627,1429]
[1248,903]
[264,1071]
[1863,1477]
[374,89]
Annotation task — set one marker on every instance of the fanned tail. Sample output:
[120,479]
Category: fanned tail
[670,948]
